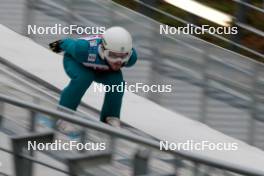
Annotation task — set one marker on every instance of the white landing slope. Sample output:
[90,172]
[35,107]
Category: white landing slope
[137,111]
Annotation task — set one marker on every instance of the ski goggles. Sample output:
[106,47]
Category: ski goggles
[117,56]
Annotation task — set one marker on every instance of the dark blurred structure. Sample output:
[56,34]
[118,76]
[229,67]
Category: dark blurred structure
[247,16]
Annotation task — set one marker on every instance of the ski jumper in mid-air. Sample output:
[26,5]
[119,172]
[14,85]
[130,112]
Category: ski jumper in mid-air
[96,58]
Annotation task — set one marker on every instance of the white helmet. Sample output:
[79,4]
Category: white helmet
[116,44]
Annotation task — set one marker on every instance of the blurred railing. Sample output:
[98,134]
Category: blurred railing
[224,87]
[27,81]
[24,160]
[239,21]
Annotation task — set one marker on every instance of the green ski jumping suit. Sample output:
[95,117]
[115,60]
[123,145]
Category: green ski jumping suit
[83,65]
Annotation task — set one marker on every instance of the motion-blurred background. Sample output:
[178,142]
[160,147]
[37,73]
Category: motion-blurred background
[221,88]
[218,80]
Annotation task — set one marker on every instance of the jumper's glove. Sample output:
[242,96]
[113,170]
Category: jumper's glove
[55,46]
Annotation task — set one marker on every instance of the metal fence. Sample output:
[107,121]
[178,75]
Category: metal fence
[78,164]
[239,20]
